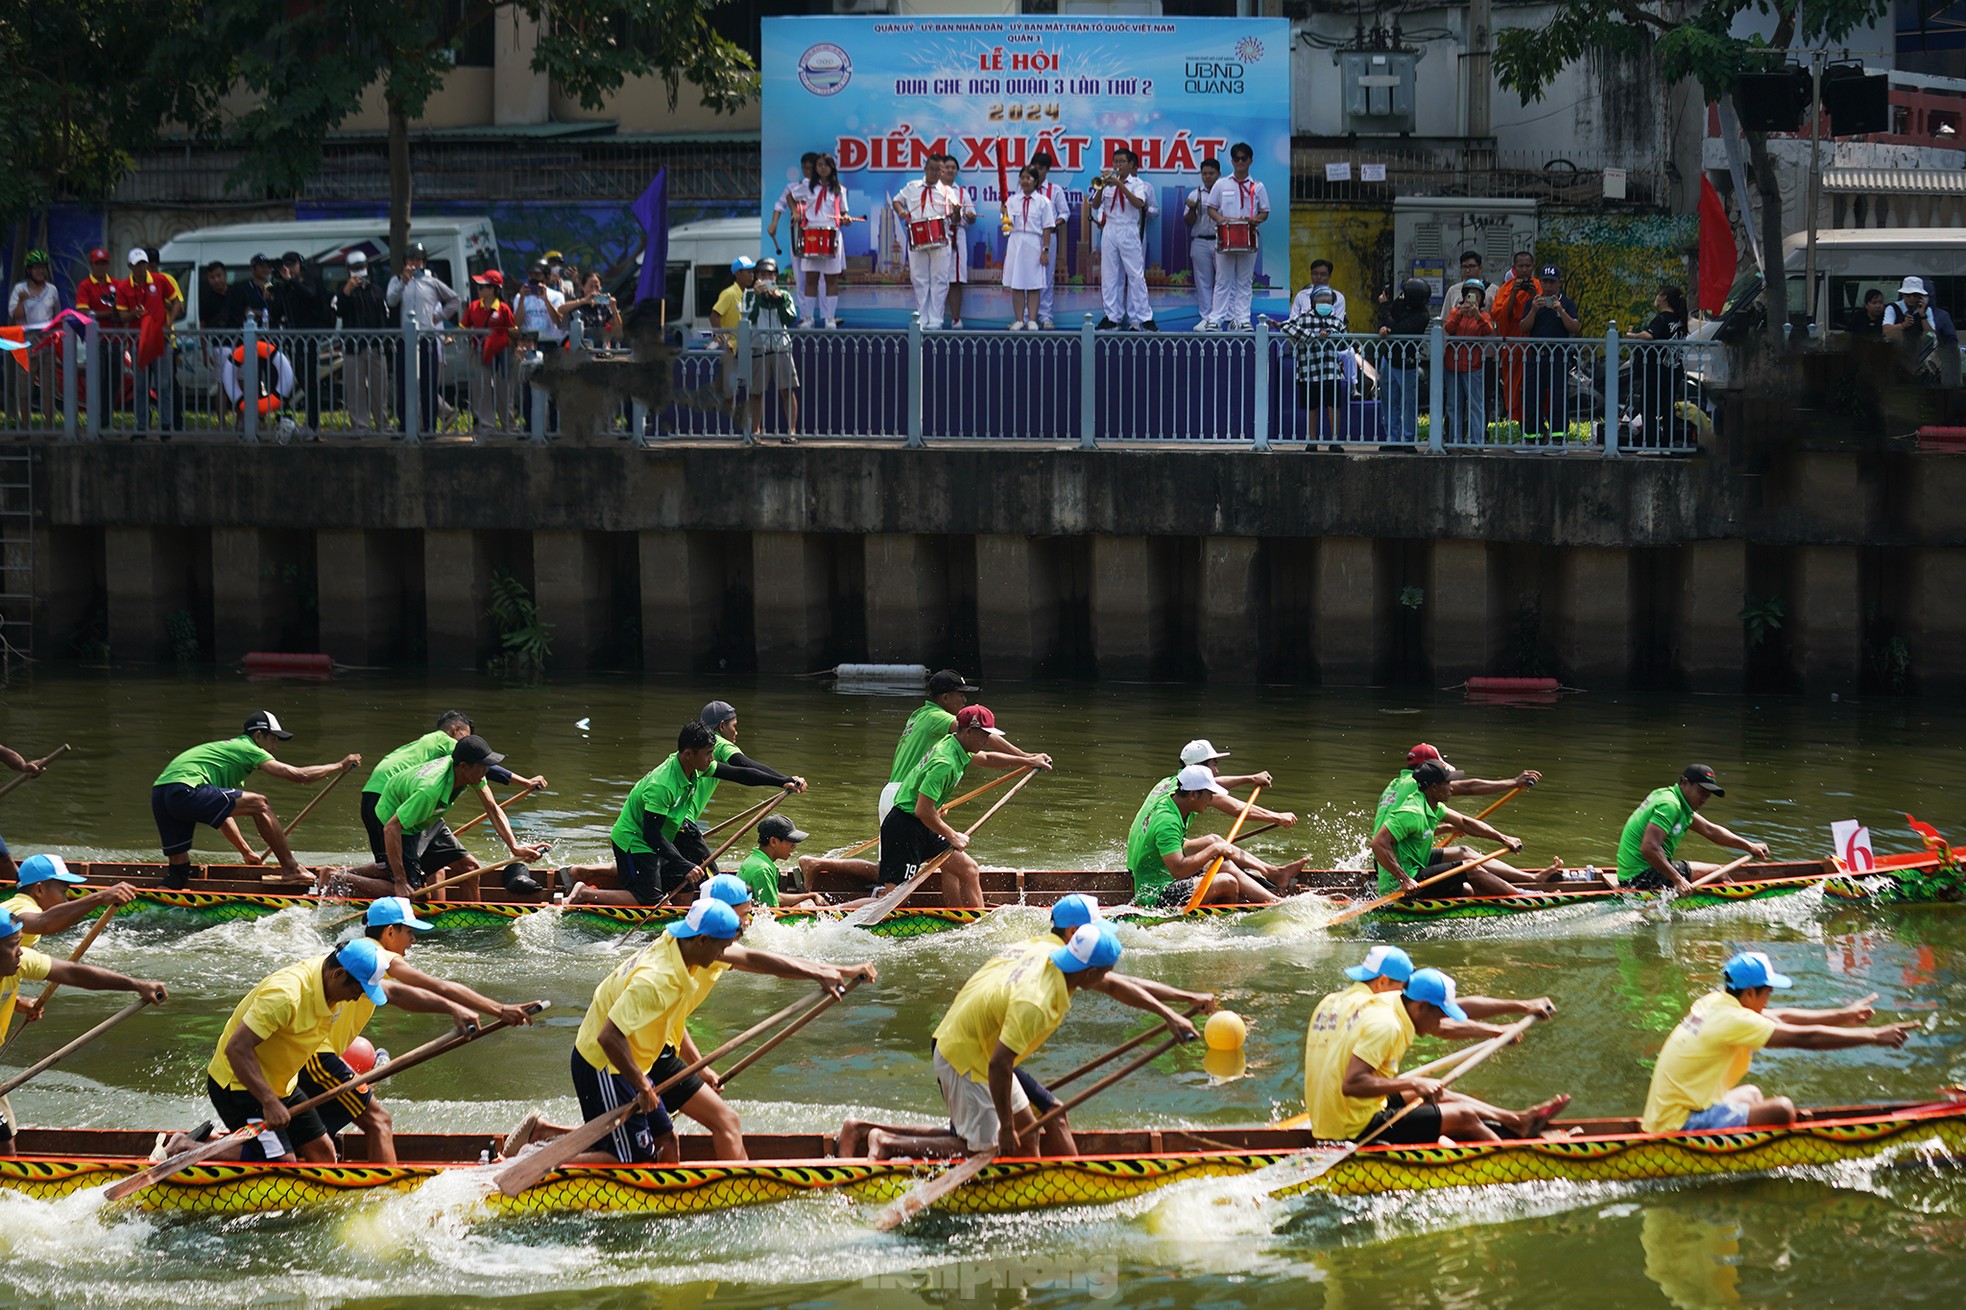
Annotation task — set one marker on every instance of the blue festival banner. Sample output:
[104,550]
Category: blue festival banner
[881,94]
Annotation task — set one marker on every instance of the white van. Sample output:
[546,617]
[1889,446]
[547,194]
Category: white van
[700,256]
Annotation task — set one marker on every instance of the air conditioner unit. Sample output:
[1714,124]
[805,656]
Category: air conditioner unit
[863,6]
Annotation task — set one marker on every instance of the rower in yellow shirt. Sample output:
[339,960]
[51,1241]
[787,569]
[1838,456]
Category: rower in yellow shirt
[1696,1085]
[41,901]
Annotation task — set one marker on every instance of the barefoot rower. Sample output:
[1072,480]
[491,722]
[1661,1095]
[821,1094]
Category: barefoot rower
[778,839]
[914,831]
[1403,845]
[635,1036]
[1401,788]
[417,844]
[657,847]
[202,786]
[1357,1037]
[452,727]
[1694,1083]
[1166,863]
[42,904]
[1655,829]
[20,963]
[1202,752]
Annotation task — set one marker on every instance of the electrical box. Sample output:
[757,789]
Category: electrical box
[1378,90]
[1430,233]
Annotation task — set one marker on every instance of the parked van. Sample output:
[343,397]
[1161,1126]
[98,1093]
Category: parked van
[700,256]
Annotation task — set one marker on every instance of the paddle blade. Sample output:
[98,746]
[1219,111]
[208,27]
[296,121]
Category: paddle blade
[163,1169]
[927,1192]
[529,1168]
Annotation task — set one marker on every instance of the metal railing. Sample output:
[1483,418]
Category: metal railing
[1275,383]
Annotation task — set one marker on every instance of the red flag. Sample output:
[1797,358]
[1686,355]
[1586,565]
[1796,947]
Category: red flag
[1933,841]
[1718,255]
[13,340]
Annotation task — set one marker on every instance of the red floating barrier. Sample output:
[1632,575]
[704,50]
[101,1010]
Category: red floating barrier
[1950,441]
[287,664]
[1512,685]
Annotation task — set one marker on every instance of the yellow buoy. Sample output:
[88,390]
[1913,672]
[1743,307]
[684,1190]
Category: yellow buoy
[1225,1031]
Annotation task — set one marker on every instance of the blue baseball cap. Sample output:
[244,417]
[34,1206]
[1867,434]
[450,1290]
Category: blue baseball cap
[1437,990]
[742,263]
[363,960]
[708,917]
[1753,969]
[1075,911]
[395,909]
[40,868]
[728,888]
[1383,962]
[1091,946]
[9,925]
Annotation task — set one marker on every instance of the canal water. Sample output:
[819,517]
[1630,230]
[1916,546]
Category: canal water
[1620,979]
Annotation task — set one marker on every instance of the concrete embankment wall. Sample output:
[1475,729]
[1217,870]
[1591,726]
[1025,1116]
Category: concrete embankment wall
[1333,569]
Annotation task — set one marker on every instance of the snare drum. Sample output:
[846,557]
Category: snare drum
[1231,234]
[926,232]
[819,242]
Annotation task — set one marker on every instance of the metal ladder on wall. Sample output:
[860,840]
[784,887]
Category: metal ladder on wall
[16,555]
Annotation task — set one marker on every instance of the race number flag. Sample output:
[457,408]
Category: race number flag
[1852,842]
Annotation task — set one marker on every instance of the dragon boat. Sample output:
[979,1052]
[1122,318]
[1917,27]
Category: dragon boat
[1114,1166]
[217,893]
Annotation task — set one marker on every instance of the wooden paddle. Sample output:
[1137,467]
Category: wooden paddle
[81,949]
[308,809]
[868,915]
[739,815]
[970,795]
[1719,874]
[529,1168]
[1208,879]
[471,823]
[1500,801]
[695,875]
[1428,1069]
[1115,1053]
[724,1078]
[206,1150]
[416,894]
[53,755]
[56,1056]
[1399,892]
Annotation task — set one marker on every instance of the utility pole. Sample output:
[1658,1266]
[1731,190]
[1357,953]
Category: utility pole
[1813,190]
[1476,65]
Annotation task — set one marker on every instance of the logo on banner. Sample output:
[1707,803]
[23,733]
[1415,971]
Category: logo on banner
[825,69]
[1249,50]
[1852,841]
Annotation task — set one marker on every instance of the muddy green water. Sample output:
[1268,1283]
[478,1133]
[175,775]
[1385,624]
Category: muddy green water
[1621,979]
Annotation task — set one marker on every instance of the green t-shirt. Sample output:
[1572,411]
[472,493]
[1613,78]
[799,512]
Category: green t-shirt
[666,790]
[706,785]
[1396,794]
[419,797]
[923,729]
[1157,832]
[760,874]
[1412,827]
[430,746]
[1665,807]
[220,763]
[934,776]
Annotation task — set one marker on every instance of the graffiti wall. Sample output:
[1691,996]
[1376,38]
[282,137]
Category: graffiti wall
[1357,239]
[1613,263]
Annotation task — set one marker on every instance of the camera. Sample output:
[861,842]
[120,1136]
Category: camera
[602,300]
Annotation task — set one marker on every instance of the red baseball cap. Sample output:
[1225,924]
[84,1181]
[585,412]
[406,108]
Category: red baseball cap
[976,716]
[97,255]
[1421,754]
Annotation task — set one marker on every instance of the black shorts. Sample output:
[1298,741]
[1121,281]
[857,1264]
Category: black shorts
[651,875]
[236,1109]
[428,853]
[179,808]
[1174,896]
[327,1071]
[373,827]
[633,1140]
[906,845]
[1420,1127]
[1650,880]
[1036,1092]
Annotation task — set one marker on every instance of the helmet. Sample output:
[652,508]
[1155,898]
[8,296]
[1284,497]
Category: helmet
[35,256]
[1415,289]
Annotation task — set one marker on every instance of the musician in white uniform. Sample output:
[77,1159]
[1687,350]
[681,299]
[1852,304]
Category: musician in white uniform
[1236,199]
[1060,206]
[1027,251]
[1120,203]
[793,200]
[921,205]
[962,221]
[1201,242]
[827,211]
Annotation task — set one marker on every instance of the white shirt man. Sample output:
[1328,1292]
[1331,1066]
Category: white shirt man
[1120,208]
[929,266]
[1236,199]
[1201,243]
[1059,205]
[793,199]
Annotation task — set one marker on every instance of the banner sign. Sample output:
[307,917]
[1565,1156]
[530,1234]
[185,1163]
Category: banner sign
[881,94]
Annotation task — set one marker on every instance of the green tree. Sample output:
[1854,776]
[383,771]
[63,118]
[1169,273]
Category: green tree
[1691,39]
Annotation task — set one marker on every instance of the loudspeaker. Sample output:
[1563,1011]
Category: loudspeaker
[1772,102]
[1857,102]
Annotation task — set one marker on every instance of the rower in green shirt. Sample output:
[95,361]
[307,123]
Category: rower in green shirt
[1653,832]
[452,727]
[1401,788]
[1201,752]
[1404,851]
[418,846]
[731,764]
[1166,863]
[201,785]
[778,836]
[658,849]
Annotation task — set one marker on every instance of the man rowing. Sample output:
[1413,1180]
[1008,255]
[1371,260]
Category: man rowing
[1652,834]
[915,831]
[418,847]
[201,785]
[452,727]
[1401,788]
[658,849]
[19,962]
[1358,1036]
[1202,753]
[42,904]
[635,1035]
[1002,1015]
[1403,845]
[1696,1084]
[1167,864]
[778,840]
[729,764]
[19,763]
[390,923]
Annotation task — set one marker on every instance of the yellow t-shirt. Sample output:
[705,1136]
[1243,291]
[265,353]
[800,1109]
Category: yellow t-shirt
[1360,1022]
[649,997]
[724,314]
[1705,1056]
[1017,1000]
[355,1015]
[33,968]
[21,903]
[289,1011]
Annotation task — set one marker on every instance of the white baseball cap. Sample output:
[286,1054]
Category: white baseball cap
[1197,778]
[1200,751]
[138,255]
[1912,286]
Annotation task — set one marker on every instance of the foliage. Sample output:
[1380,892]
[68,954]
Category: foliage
[182,629]
[1412,597]
[1761,616]
[525,639]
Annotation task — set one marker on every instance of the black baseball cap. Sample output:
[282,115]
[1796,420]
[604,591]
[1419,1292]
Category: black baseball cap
[948,680]
[264,721]
[716,713]
[1431,774]
[259,259]
[777,825]
[1703,775]
[291,257]
[474,750]
[1551,270]
[415,250]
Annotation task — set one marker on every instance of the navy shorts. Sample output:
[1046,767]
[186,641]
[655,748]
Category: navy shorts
[179,808]
[633,1140]
[652,875]
[236,1109]
[327,1071]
